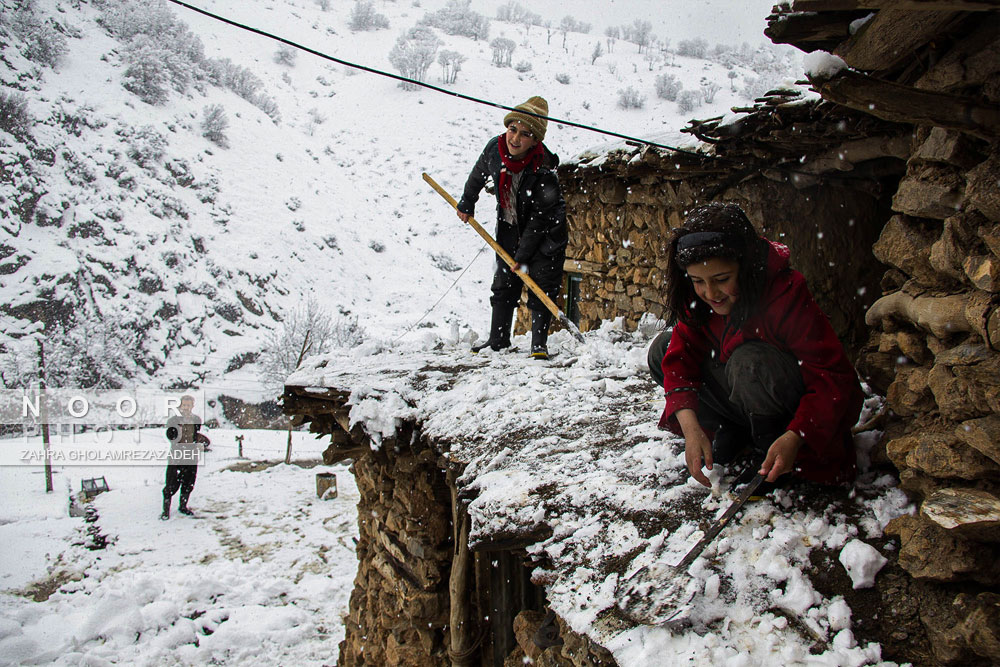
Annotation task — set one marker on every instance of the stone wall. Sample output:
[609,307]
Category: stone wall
[400,604]
[620,221]
[934,351]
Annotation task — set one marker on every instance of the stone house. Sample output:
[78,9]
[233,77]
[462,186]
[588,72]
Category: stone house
[884,181]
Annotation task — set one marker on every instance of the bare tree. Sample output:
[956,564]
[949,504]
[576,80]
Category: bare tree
[642,33]
[612,33]
[708,91]
[451,65]
[307,330]
[503,49]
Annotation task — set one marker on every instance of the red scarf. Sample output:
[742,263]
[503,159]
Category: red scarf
[532,158]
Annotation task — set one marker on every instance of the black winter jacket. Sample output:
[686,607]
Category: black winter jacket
[541,210]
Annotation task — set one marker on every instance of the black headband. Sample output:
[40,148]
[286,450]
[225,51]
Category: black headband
[698,239]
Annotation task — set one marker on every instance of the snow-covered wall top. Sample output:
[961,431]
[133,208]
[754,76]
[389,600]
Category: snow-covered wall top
[566,455]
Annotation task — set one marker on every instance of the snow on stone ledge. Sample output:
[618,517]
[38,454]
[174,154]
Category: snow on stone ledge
[822,65]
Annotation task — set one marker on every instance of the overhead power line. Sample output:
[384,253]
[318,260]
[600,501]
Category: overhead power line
[438,89]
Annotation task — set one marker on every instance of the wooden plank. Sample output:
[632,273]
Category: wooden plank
[903,104]
[810,31]
[891,38]
[462,627]
[918,5]
[583,266]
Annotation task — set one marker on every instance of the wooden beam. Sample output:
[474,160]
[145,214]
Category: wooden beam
[919,5]
[462,627]
[810,31]
[891,38]
[903,104]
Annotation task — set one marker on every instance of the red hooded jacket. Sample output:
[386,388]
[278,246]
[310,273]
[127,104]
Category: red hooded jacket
[789,319]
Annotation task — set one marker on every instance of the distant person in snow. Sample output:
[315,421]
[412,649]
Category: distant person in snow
[531,220]
[185,452]
[752,359]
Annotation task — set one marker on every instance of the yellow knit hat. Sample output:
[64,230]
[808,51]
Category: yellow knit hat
[537,126]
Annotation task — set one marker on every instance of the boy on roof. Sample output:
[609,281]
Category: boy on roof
[531,220]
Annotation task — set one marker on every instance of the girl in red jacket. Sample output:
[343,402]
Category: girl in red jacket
[752,360]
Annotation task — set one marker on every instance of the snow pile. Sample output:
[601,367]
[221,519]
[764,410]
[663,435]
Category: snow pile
[565,456]
[862,562]
[822,65]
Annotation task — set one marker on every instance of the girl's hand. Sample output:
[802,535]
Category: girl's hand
[781,455]
[697,446]
[464,217]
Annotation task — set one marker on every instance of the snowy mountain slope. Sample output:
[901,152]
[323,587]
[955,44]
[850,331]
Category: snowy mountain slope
[198,251]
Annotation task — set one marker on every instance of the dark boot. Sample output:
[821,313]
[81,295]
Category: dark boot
[182,505]
[500,325]
[166,509]
[540,320]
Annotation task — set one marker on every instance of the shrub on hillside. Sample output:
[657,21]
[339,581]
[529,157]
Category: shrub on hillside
[668,86]
[630,98]
[693,48]
[267,104]
[214,125]
[688,101]
[285,55]
[563,78]
[43,43]
[145,144]
[146,74]
[14,116]
[309,327]
[414,53]
[523,67]
[364,17]
[457,18]
[515,12]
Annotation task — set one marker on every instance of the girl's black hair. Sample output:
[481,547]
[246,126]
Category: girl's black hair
[715,230]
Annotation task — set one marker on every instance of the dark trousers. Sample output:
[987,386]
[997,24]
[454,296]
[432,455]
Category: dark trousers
[544,270]
[756,391]
[179,477]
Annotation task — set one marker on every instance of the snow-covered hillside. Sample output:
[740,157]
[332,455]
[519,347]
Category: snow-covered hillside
[170,257]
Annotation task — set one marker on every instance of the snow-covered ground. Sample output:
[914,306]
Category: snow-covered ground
[261,574]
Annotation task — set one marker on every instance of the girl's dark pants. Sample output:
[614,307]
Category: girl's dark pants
[749,400]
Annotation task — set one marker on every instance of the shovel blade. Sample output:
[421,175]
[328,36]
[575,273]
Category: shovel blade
[656,594]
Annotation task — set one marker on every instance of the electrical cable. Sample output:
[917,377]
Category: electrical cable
[414,325]
[438,89]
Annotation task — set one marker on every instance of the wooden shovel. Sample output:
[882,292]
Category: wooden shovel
[505,256]
[657,593]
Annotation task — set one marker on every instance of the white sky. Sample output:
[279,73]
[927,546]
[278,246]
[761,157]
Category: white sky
[730,21]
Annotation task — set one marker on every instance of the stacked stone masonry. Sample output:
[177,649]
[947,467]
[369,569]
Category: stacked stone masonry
[400,603]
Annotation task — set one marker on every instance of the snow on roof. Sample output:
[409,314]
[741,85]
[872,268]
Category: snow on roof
[565,456]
